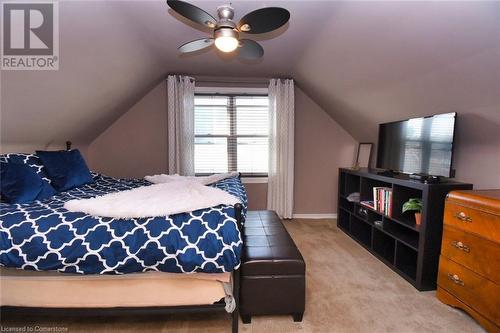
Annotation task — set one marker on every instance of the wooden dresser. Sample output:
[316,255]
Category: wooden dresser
[469,265]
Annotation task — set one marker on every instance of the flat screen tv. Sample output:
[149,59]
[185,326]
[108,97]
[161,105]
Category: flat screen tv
[419,145]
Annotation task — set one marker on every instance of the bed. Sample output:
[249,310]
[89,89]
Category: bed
[117,264]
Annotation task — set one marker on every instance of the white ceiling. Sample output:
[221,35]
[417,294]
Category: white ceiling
[363,62]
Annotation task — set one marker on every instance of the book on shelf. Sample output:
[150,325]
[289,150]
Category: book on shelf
[382,200]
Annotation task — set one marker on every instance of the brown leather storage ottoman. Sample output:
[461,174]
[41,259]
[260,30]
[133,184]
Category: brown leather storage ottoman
[272,270]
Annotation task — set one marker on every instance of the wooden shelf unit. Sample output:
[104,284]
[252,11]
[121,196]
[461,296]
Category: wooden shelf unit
[410,250]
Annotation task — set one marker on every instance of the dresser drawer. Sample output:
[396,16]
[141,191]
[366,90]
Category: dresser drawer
[472,289]
[471,251]
[472,220]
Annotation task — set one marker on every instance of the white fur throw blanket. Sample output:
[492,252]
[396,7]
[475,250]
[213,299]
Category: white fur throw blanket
[165,199]
[207,180]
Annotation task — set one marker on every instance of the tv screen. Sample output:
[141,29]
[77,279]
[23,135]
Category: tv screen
[419,145]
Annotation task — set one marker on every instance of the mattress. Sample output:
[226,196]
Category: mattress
[43,236]
[62,290]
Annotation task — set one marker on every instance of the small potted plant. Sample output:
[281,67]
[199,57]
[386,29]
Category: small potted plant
[414,204]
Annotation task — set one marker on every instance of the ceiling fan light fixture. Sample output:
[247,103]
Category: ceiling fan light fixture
[226,44]
[226,39]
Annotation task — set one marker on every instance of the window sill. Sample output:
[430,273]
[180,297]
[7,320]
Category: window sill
[254,180]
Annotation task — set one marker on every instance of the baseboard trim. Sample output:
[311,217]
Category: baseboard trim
[315,216]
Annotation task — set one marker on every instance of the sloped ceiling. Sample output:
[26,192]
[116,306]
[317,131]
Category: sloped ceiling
[363,62]
[376,62]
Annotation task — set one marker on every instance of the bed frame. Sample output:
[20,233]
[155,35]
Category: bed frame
[6,311]
[219,306]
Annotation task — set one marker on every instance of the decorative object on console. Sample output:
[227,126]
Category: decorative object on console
[363,156]
[469,275]
[363,212]
[353,197]
[414,204]
[226,33]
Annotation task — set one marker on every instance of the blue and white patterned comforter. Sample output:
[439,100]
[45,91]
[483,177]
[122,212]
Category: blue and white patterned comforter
[42,235]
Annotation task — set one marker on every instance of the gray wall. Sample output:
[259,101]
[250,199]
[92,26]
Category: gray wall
[136,144]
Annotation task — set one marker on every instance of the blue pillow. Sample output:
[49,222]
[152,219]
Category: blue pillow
[30,160]
[66,169]
[21,184]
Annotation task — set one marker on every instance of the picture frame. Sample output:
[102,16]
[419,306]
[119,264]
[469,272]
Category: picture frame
[363,155]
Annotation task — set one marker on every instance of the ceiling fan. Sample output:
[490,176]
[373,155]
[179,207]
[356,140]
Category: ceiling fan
[226,35]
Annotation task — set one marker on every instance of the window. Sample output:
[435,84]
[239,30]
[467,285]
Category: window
[231,134]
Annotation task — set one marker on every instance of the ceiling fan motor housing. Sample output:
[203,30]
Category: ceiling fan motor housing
[225,14]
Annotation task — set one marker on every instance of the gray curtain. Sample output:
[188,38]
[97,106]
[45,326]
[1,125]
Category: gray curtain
[281,147]
[180,90]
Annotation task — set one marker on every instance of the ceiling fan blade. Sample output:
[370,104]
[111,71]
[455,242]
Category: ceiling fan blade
[263,20]
[192,12]
[196,45]
[250,49]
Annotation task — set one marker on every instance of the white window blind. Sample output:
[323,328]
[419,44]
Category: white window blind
[231,134]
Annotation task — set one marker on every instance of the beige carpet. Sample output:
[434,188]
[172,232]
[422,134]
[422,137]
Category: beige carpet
[348,290]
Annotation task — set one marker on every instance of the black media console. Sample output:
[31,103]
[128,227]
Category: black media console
[410,250]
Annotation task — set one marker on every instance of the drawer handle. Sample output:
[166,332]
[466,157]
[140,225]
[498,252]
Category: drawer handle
[461,246]
[463,217]
[455,279]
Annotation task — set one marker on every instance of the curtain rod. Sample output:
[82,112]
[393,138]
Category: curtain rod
[202,79]
[226,80]
[262,81]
